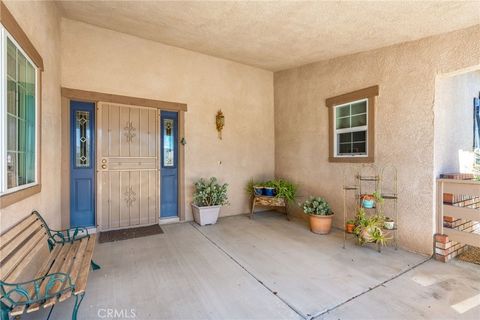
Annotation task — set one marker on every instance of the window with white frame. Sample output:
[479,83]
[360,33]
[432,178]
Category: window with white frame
[18,117]
[351,125]
[351,129]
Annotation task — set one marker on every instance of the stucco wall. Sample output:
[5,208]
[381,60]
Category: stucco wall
[454,118]
[404,121]
[103,60]
[41,22]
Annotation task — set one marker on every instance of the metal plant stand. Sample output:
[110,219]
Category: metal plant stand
[367,180]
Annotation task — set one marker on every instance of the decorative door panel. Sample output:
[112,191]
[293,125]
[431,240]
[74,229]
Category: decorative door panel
[127,165]
[82,164]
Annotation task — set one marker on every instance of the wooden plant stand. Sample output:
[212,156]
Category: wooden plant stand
[268,202]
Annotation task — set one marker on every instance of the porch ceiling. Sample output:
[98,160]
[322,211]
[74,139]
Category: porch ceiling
[277,35]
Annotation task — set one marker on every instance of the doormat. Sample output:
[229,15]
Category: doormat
[472,254]
[124,234]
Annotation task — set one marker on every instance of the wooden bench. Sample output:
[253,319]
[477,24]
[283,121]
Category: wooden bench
[40,267]
[267,201]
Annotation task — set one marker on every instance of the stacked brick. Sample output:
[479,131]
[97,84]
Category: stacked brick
[445,249]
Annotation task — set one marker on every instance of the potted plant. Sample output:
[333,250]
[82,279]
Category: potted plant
[369,228]
[269,189]
[273,188]
[320,215]
[369,200]
[254,188]
[285,189]
[208,199]
[258,190]
[389,223]
[350,226]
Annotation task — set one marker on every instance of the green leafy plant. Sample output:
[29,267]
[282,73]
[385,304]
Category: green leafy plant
[269,184]
[249,187]
[317,206]
[369,229]
[351,221]
[378,197]
[285,189]
[210,193]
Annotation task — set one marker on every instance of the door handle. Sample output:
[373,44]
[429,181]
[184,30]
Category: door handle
[104,166]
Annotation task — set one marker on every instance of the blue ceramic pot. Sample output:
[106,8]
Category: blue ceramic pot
[269,192]
[258,191]
[369,204]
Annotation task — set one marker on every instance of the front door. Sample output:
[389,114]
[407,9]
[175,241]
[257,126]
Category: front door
[169,165]
[82,164]
[127,164]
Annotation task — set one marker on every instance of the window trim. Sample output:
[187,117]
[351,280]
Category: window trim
[367,94]
[11,28]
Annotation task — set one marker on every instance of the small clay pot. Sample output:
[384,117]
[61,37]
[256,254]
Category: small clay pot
[349,227]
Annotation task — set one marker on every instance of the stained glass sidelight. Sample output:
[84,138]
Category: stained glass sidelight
[82,139]
[168,143]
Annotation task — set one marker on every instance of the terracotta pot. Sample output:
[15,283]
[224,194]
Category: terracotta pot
[321,224]
[349,227]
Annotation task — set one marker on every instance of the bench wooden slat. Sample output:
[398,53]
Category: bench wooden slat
[9,265]
[19,248]
[76,267]
[25,262]
[42,272]
[66,267]
[17,229]
[81,281]
[16,242]
[55,267]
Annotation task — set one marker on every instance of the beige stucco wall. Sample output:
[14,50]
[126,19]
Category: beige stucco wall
[454,118]
[101,60]
[41,23]
[404,121]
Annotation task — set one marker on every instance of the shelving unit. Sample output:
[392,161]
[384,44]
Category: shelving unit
[389,192]
[369,179]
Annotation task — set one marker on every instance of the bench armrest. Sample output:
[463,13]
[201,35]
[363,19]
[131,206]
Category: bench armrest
[68,235]
[35,291]
[62,236]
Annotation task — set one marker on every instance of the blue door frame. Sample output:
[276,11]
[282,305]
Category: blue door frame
[82,164]
[169,164]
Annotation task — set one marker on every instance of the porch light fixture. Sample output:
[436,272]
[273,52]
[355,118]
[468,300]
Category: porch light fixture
[220,121]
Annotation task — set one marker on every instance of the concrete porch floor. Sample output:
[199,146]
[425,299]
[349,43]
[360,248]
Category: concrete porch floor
[269,268]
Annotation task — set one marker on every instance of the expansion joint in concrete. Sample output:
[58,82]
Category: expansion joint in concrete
[319,314]
[306,317]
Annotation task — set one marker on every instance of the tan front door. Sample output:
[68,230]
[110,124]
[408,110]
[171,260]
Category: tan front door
[127,166]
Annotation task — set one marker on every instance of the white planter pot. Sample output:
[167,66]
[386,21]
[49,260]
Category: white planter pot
[205,215]
[389,225]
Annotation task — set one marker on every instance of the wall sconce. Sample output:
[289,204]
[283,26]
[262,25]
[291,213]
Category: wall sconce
[220,121]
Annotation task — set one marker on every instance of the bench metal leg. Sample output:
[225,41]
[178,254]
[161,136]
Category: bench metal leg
[4,311]
[78,301]
[94,265]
